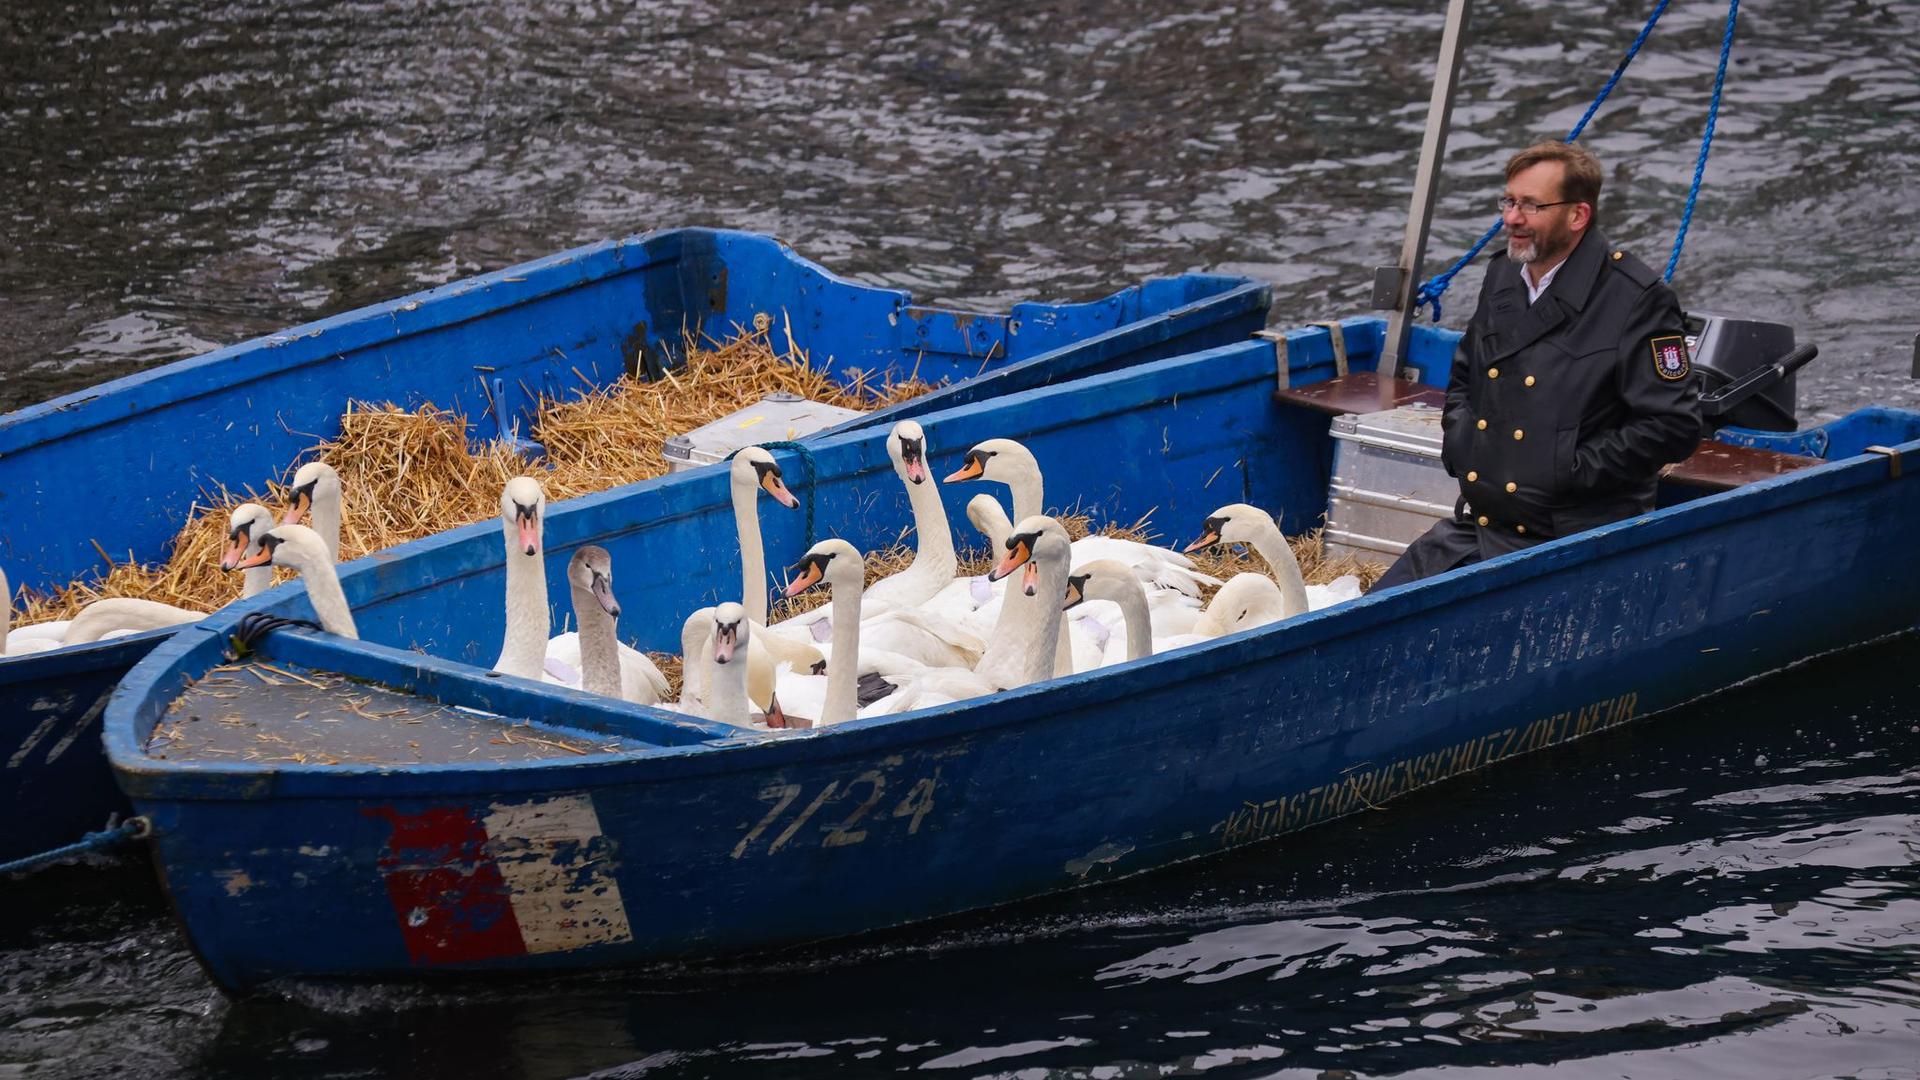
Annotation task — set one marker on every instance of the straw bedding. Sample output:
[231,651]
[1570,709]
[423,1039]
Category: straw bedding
[407,475]
[410,474]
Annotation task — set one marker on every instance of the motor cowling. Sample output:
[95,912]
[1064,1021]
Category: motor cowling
[1726,350]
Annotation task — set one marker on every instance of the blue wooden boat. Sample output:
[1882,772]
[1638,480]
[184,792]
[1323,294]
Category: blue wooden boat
[671,837]
[117,468]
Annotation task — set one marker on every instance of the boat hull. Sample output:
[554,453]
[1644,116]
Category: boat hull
[707,847]
[482,347]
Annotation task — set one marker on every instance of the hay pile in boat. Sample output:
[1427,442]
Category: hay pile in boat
[410,474]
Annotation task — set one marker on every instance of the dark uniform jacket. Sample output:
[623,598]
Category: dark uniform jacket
[1559,415]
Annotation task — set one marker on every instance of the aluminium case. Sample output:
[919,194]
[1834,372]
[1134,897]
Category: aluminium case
[1388,485]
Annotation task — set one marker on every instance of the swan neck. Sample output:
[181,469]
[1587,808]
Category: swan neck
[934,552]
[1026,640]
[1273,547]
[727,684]
[753,559]
[1028,494]
[1133,606]
[524,650]
[843,671]
[326,522]
[328,599]
[255,580]
[599,645]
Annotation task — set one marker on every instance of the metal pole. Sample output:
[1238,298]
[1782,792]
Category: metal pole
[1446,80]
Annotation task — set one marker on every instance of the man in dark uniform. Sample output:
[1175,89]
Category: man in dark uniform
[1572,386]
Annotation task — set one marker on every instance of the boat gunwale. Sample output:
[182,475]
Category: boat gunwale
[166,780]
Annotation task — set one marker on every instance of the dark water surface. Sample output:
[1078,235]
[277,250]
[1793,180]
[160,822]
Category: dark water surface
[184,175]
[1725,890]
[1732,890]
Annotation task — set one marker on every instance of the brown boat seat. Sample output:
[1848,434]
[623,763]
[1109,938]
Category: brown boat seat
[1714,466]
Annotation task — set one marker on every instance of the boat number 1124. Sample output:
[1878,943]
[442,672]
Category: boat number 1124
[842,812]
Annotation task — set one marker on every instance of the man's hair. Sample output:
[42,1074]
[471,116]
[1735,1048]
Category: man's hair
[1581,177]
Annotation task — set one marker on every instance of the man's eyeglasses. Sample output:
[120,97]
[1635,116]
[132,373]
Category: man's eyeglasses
[1528,207]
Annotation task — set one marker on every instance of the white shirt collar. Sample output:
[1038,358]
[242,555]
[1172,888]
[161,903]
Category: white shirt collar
[1546,279]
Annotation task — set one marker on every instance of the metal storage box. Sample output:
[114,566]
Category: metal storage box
[774,418]
[1388,484]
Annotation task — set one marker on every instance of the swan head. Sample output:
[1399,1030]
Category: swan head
[523,512]
[833,561]
[1234,523]
[1246,601]
[729,631]
[907,446]
[591,570]
[287,545]
[988,515]
[1100,579]
[1001,460]
[1034,541]
[315,482]
[755,467]
[245,526]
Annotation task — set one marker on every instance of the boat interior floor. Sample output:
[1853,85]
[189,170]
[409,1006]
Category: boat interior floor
[1714,465]
[280,714]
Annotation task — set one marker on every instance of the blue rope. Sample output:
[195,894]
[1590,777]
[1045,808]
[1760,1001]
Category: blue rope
[1435,286]
[1706,140]
[135,828]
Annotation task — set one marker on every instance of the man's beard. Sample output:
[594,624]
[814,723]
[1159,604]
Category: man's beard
[1523,251]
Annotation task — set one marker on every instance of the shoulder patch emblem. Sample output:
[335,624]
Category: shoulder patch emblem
[1670,358]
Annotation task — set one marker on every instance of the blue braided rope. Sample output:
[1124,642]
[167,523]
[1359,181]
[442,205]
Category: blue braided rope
[1431,291]
[128,830]
[1706,140]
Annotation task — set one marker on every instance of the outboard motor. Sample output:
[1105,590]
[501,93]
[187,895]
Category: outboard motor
[1746,371]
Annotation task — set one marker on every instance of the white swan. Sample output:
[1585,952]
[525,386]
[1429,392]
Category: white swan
[1113,581]
[840,565]
[316,491]
[1008,462]
[732,636]
[1022,647]
[696,661]
[753,471]
[117,616]
[593,658]
[1238,523]
[300,548]
[1243,524]
[523,649]
[934,566]
[1244,602]
[934,563]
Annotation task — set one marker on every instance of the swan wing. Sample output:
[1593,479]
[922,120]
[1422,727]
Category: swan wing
[1338,591]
